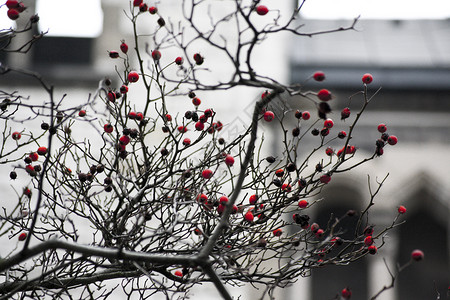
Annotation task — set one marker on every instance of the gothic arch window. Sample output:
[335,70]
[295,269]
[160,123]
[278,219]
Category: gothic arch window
[326,282]
[426,228]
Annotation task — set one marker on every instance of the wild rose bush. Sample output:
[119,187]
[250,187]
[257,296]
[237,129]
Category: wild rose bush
[164,200]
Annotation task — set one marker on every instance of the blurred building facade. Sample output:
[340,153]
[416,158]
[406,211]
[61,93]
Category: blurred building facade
[410,61]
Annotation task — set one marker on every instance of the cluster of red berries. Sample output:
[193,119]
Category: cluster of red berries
[14,9]
[384,139]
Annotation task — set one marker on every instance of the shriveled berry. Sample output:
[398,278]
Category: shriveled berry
[296,131]
[298,114]
[179,60]
[342,134]
[198,59]
[315,131]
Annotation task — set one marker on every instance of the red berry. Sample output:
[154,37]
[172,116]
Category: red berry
[198,59]
[178,273]
[202,198]
[29,169]
[269,116]
[124,47]
[319,233]
[199,126]
[401,209]
[342,134]
[262,10]
[12,3]
[218,126]
[324,95]
[223,200]
[156,54]
[196,101]
[367,78]
[113,54]
[382,128]
[253,198]
[143,7]
[229,160]
[186,142]
[368,240]
[23,236]
[345,113]
[277,232]
[42,150]
[197,231]
[139,116]
[133,76]
[286,187]
[372,249]
[124,89]
[34,156]
[249,216]
[319,76]
[329,151]
[13,14]
[328,123]
[306,115]
[263,95]
[124,140]
[302,203]
[111,96]
[279,173]
[16,135]
[27,192]
[82,113]
[132,115]
[207,174]
[325,178]
[220,208]
[108,128]
[137,2]
[417,255]
[234,209]
[152,10]
[182,129]
[392,140]
[179,60]
[346,293]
